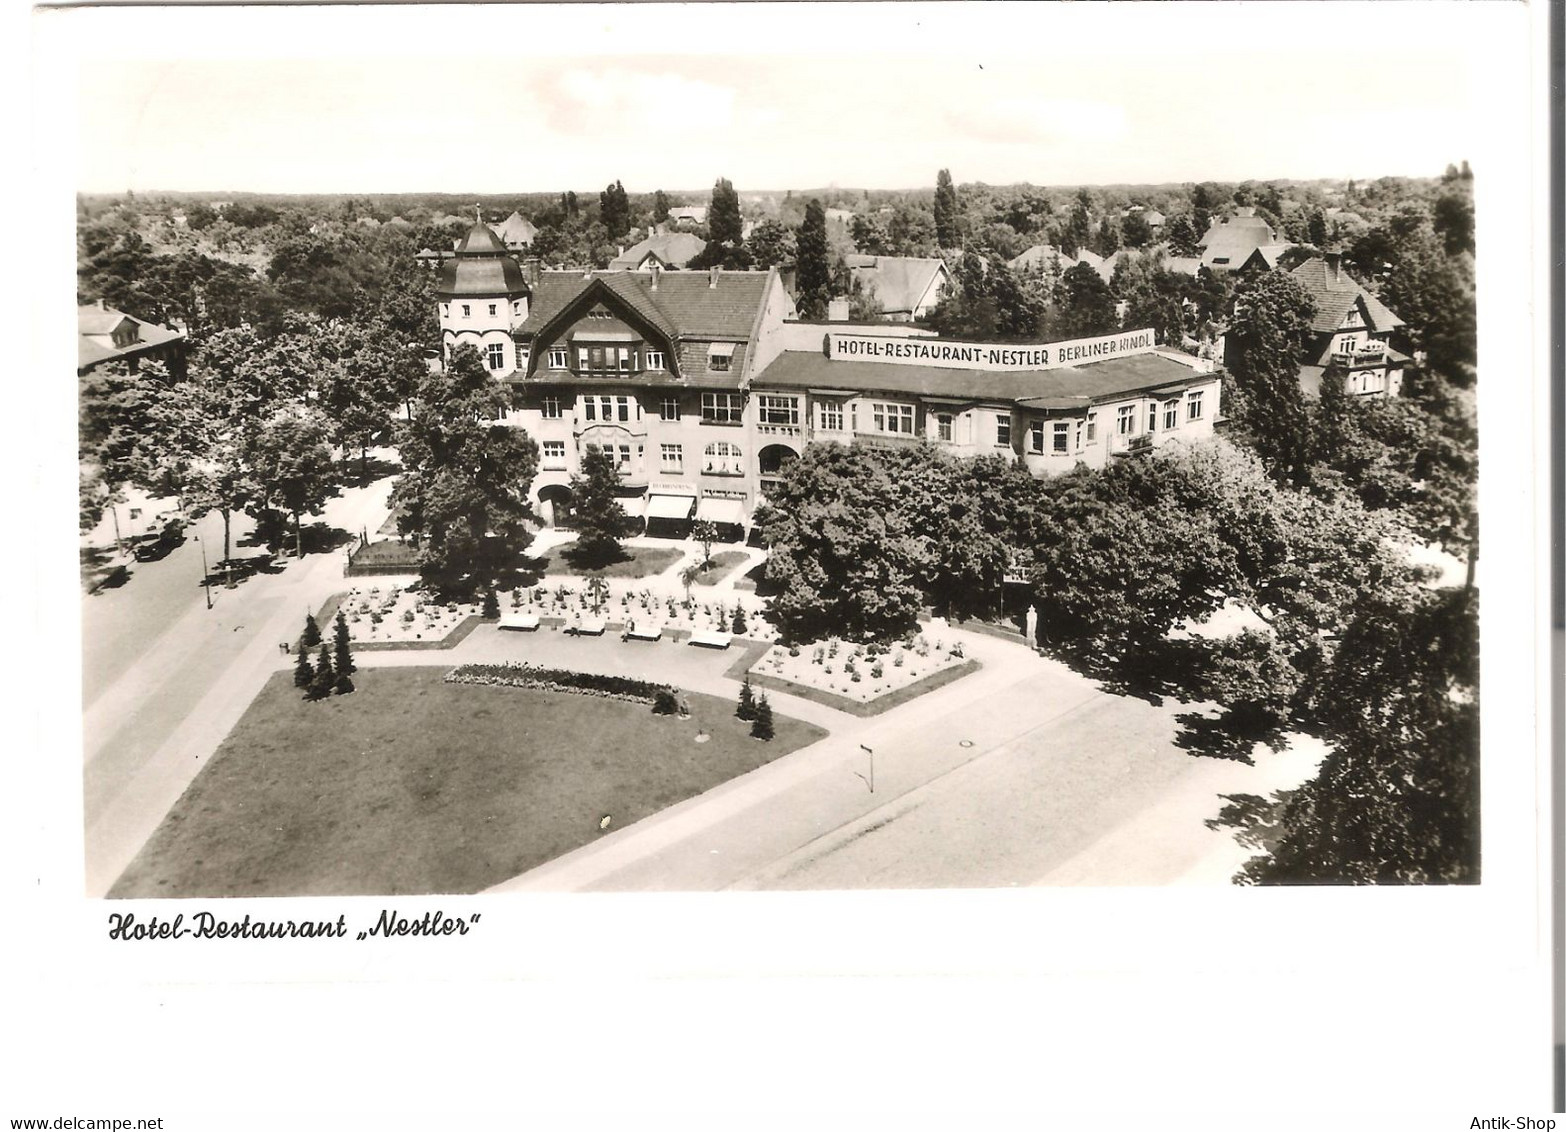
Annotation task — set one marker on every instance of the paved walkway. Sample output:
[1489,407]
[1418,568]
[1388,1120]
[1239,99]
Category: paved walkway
[149,732]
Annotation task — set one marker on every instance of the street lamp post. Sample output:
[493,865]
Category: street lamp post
[870,782]
[206,580]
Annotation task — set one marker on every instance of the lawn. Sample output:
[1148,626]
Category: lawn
[640,562]
[720,566]
[411,785]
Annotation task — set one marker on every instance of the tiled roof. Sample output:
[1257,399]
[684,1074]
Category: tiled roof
[675,248]
[95,324]
[900,283]
[516,229]
[1334,297]
[684,305]
[1066,387]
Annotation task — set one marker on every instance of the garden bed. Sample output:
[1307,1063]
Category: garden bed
[862,674]
[885,702]
[720,566]
[413,785]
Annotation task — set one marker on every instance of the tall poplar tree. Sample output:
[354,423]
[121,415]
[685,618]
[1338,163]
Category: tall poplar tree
[945,210]
[1272,316]
[814,281]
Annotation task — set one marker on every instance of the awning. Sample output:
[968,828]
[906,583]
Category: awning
[721,510]
[721,350]
[669,506]
[631,504]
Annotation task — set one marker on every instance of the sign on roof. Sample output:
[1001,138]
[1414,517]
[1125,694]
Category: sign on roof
[844,347]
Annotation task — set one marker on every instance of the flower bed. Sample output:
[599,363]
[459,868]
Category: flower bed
[517,675]
[401,615]
[622,603]
[860,673]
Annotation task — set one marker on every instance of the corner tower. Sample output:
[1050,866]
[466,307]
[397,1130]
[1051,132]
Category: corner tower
[483,297]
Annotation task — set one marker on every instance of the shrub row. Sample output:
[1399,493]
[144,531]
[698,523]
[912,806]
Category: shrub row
[517,675]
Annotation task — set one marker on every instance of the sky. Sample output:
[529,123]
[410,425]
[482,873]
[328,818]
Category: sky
[520,99]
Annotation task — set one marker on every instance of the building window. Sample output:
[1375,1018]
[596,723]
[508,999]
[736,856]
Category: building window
[829,416]
[495,353]
[1125,422]
[625,458]
[892,418]
[654,359]
[623,408]
[1092,427]
[1035,436]
[466,310]
[671,458]
[1171,415]
[551,410]
[669,409]
[722,408]
[554,454]
[1062,434]
[1193,406]
[1003,430]
[1152,417]
[493,310]
[1079,436]
[777,410]
[723,459]
[625,359]
[719,356]
[581,357]
[588,414]
[557,358]
[445,310]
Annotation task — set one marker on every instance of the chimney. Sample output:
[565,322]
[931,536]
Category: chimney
[1335,265]
[619,251]
[712,277]
[837,310]
[530,271]
[656,271]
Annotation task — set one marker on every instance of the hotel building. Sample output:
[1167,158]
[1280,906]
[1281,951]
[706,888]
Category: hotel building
[703,385]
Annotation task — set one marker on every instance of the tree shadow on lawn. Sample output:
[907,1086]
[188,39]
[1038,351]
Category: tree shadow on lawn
[584,559]
[1166,669]
[319,538]
[757,576]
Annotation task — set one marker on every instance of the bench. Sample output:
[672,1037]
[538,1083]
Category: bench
[526,622]
[643,633]
[709,639]
[588,626]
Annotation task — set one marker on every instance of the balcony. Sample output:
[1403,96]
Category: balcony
[1370,354]
[1122,445]
[788,431]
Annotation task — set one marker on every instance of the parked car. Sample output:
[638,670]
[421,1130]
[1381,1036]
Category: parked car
[172,534]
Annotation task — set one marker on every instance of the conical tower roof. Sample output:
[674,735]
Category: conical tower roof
[481,268]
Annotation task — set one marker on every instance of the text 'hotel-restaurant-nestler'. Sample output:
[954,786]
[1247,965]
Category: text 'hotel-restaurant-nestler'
[702,385]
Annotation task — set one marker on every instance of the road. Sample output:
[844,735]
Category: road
[171,677]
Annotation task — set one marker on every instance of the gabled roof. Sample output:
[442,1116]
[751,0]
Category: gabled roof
[516,229]
[685,304]
[676,248]
[95,326]
[1335,294]
[899,283]
[1266,256]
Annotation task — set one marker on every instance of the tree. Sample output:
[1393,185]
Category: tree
[704,532]
[1135,230]
[1396,800]
[660,212]
[761,727]
[325,680]
[614,210]
[312,633]
[600,519]
[304,671]
[771,244]
[342,658]
[1182,236]
[725,225]
[814,278]
[1271,324]
[491,608]
[746,709]
[290,460]
[1086,307]
[665,702]
[1079,229]
[343,685]
[945,210]
[465,491]
[738,625]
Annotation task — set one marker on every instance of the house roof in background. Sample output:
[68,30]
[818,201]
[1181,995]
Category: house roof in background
[686,304]
[1334,297]
[673,248]
[900,283]
[95,325]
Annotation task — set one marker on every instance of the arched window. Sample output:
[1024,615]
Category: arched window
[723,459]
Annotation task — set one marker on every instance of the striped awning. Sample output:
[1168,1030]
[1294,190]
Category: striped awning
[669,506]
[721,510]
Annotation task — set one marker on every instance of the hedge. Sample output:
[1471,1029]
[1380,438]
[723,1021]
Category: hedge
[518,675]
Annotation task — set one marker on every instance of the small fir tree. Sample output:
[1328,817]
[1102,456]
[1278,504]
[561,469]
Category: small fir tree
[664,702]
[491,604]
[304,671]
[312,632]
[747,702]
[739,620]
[344,685]
[325,679]
[343,659]
[761,726]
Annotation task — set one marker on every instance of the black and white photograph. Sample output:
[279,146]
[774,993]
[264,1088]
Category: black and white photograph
[838,471]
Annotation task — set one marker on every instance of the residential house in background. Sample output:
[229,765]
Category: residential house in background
[665,250]
[1230,242]
[516,232]
[105,334]
[907,287]
[1352,329]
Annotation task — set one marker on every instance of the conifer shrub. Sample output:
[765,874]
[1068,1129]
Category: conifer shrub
[304,671]
[747,701]
[761,726]
[312,632]
[665,703]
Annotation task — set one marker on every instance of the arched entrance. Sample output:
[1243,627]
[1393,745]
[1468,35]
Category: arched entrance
[774,457]
[554,505]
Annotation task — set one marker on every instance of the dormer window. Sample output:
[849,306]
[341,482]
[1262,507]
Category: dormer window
[557,358]
[654,359]
[720,356]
